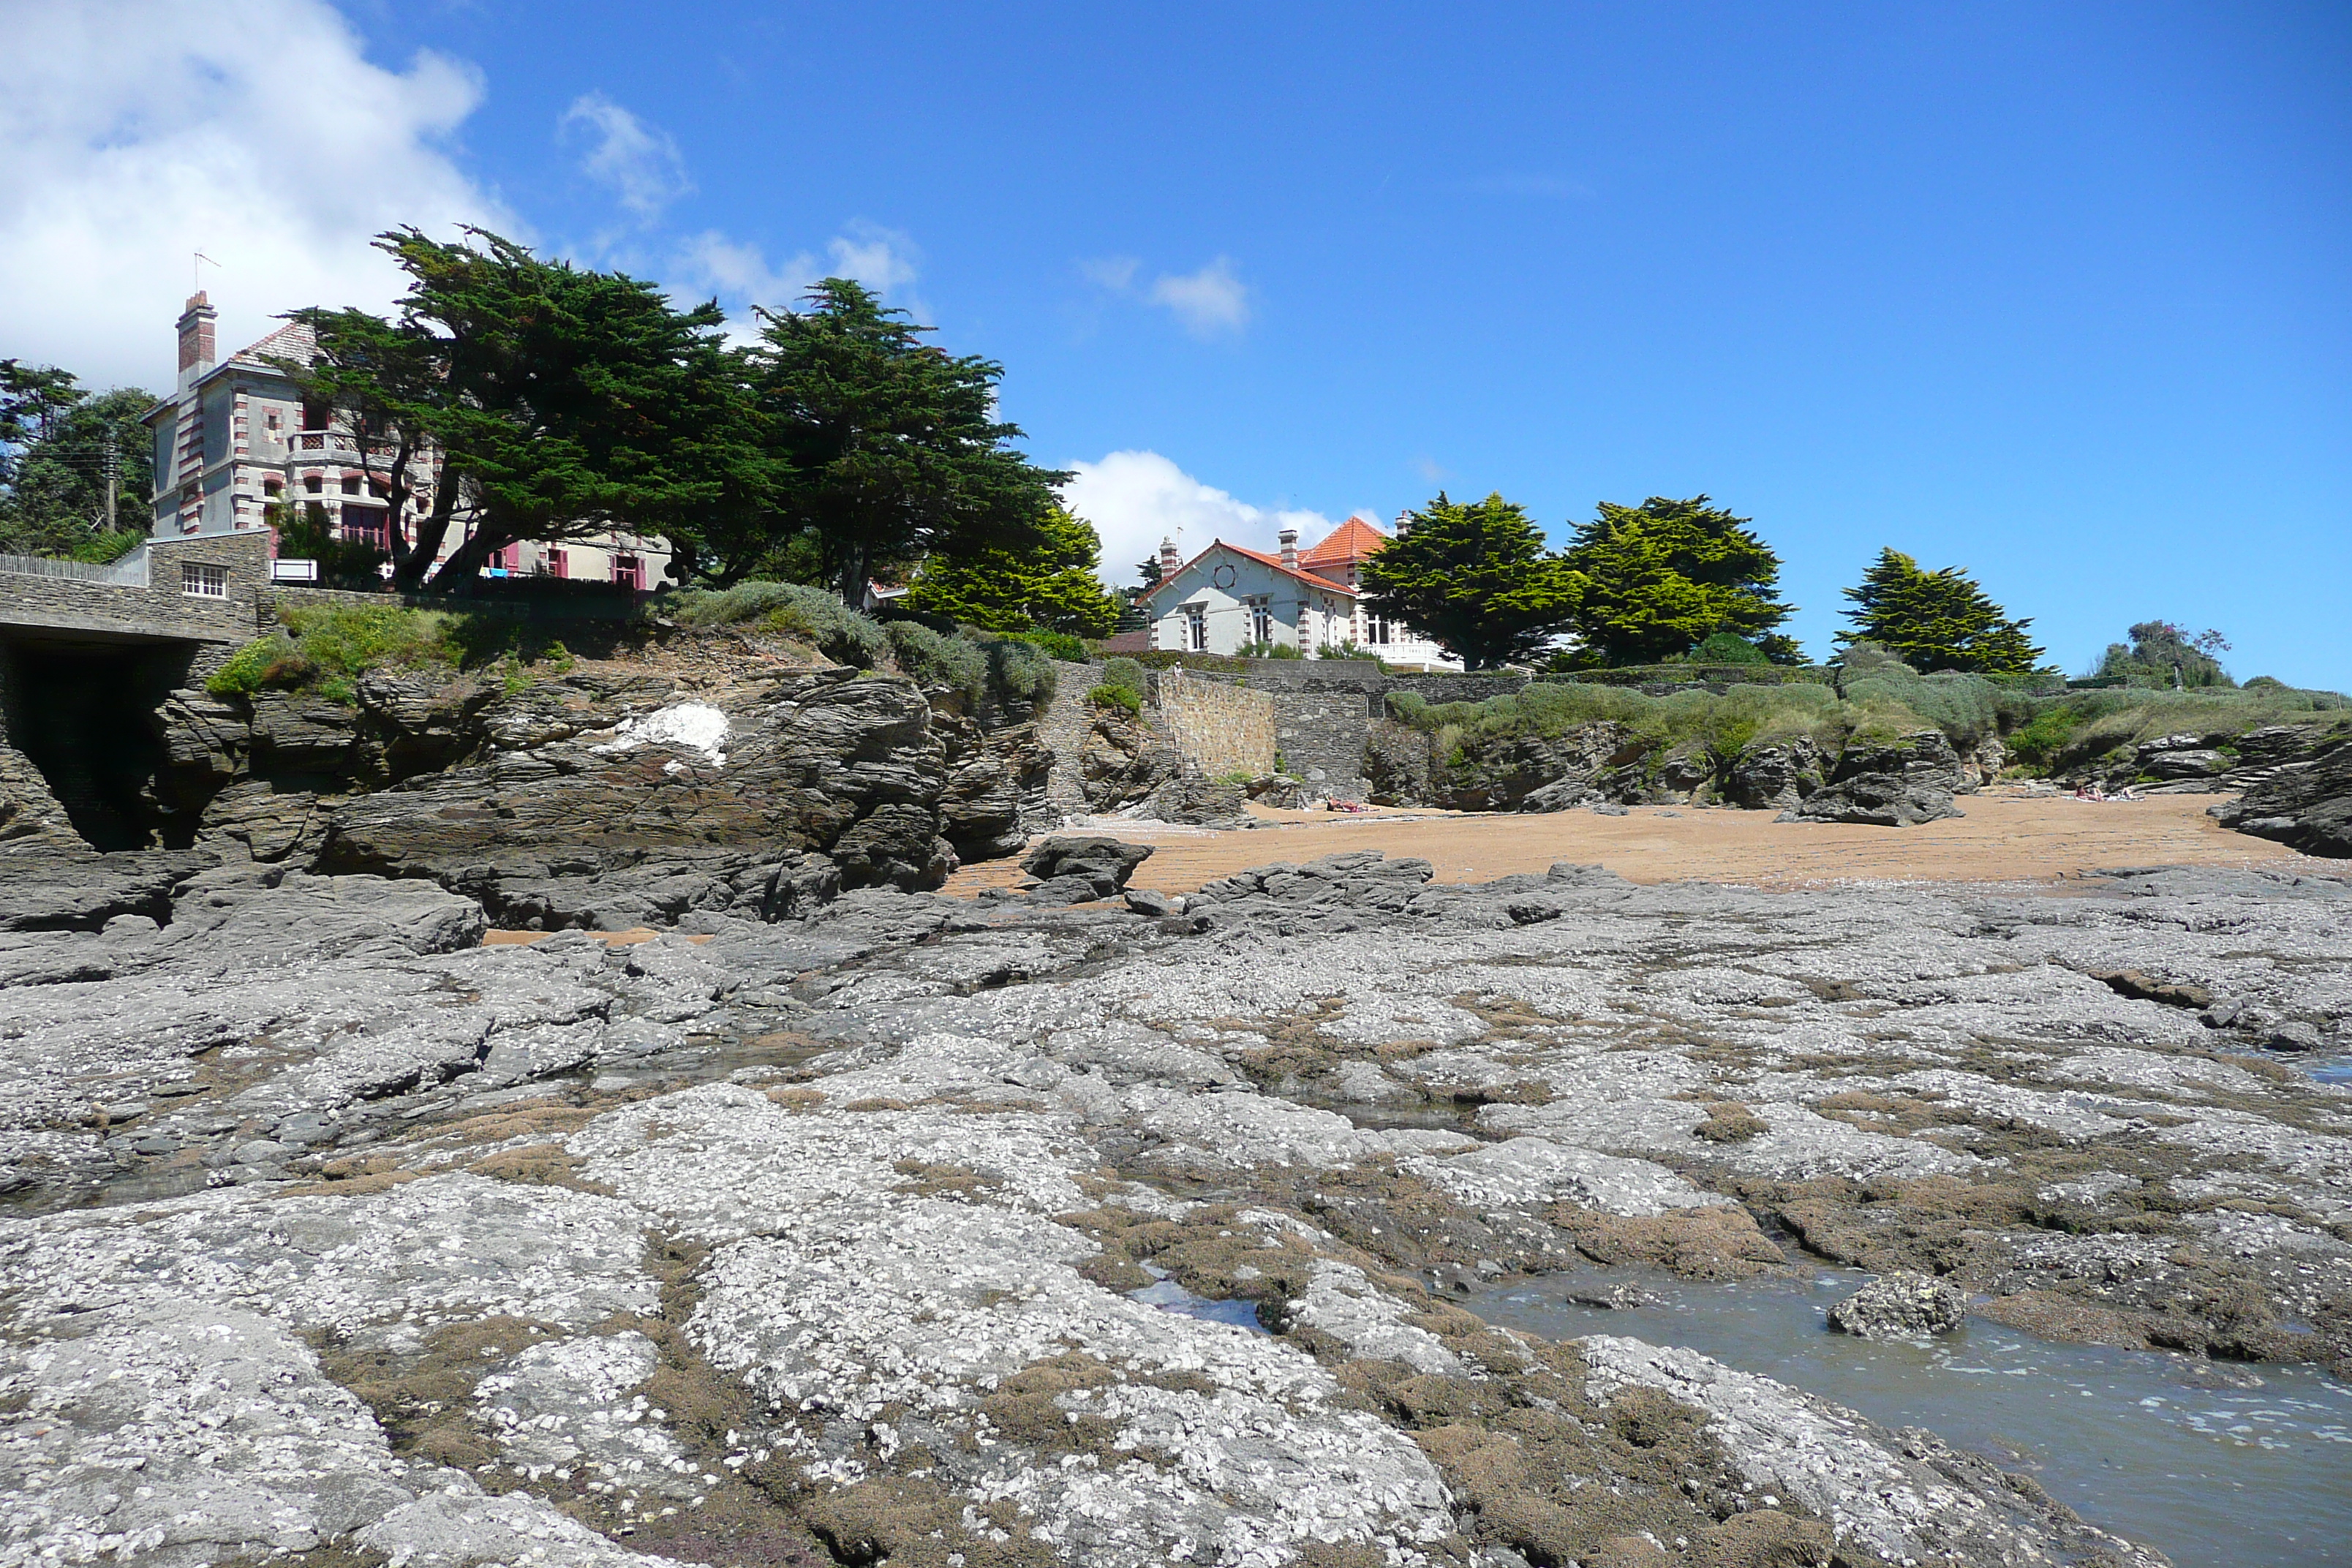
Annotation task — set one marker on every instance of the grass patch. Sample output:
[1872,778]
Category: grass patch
[1123,696]
[324,649]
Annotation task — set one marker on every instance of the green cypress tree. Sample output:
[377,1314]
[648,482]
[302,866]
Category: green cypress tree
[1475,578]
[1936,620]
[1664,577]
[1049,587]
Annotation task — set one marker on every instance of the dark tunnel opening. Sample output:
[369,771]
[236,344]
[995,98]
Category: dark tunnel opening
[82,713]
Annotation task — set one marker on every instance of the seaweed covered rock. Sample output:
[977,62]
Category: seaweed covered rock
[1901,1306]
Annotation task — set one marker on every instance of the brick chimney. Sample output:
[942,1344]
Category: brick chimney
[1170,562]
[1404,524]
[197,349]
[1289,537]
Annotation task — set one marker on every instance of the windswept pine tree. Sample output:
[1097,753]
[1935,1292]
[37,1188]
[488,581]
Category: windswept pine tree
[1474,577]
[1049,586]
[1658,579]
[1936,620]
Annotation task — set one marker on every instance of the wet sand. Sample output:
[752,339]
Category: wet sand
[2007,837]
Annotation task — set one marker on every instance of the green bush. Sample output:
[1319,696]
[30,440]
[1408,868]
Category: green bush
[930,660]
[1268,650]
[1725,648]
[835,630]
[1019,672]
[1110,695]
[1069,649]
[1121,670]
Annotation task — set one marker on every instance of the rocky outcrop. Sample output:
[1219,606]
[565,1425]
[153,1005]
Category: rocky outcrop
[1516,773]
[1124,760]
[617,794]
[1876,800]
[2305,801]
[1776,776]
[30,812]
[1900,1306]
[688,805]
[1073,869]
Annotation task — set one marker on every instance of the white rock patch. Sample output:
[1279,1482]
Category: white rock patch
[695,726]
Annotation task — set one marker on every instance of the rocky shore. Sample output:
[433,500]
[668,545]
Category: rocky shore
[339,1236]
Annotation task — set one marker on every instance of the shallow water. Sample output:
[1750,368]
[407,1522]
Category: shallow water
[1171,1297]
[2329,1069]
[2218,1465]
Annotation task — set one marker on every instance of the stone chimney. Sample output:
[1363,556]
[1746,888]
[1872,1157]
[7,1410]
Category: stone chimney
[1289,537]
[1170,562]
[196,350]
[1404,524]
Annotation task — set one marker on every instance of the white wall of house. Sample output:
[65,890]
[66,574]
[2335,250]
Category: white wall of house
[1226,600]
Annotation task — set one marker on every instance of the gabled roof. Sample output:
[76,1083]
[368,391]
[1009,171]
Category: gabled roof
[1351,540]
[1309,578]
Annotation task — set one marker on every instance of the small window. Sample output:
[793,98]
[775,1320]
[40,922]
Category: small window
[558,564]
[1376,628]
[350,484]
[1196,627]
[1261,620]
[314,484]
[316,415]
[273,487]
[272,419]
[199,581]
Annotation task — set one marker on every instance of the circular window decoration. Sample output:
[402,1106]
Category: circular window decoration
[1224,577]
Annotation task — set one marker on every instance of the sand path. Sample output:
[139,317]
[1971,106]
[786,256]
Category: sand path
[2007,836]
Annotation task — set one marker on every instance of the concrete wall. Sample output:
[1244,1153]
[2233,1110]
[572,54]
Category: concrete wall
[1219,728]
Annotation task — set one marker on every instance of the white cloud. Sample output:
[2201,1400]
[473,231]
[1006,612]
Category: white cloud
[139,132]
[1136,499]
[882,258]
[738,273]
[1208,303]
[637,162]
[1116,273]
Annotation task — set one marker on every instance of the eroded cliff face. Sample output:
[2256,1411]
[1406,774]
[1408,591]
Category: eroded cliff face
[619,794]
[1609,762]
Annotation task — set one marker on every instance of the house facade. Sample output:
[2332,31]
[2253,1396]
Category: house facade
[1229,598]
[235,439]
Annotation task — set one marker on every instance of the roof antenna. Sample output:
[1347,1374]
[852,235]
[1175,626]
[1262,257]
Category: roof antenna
[196,271]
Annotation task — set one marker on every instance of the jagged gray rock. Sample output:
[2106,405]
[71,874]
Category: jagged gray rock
[2305,801]
[1876,800]
[1900,1307]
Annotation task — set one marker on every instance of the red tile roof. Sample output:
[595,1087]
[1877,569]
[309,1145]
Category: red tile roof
[1351,540]
[1273,561]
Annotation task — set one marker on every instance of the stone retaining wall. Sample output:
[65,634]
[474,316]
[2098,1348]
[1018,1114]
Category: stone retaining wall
[1219,728]
[1061,728]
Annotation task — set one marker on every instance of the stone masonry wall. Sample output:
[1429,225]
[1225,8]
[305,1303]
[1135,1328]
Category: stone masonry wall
[1219,728]
[1063,727]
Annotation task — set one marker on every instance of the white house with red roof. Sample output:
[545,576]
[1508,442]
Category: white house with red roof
[1229,598]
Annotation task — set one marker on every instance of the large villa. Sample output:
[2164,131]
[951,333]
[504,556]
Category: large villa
[1229,599]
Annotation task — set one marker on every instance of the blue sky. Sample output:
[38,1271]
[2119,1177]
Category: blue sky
[2055,293]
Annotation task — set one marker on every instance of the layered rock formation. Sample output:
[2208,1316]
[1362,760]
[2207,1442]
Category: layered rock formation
[1892,781]
[916,1230]
[2301,794]
[616,794]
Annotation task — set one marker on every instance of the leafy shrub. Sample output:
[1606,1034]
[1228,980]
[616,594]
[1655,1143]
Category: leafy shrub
[930,660]
[2037,743]
[1268,650]
[835,630]
[1114,696]
[1069,649]
[1127,672]
[1019,673]
[1350,650]
[1725,648]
